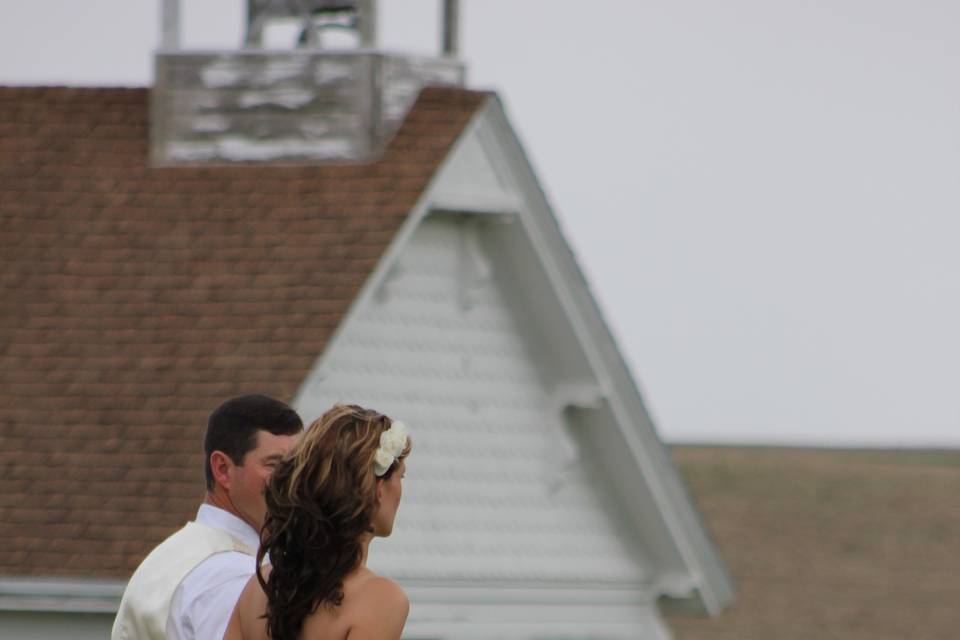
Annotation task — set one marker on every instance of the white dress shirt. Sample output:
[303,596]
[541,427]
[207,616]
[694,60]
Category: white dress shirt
[204,600]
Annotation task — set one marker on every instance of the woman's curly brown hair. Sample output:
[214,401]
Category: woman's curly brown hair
[321,500]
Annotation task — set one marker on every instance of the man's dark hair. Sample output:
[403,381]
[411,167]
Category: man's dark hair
[233,427]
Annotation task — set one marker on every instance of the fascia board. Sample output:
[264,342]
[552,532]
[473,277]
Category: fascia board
[60,595]
[703,562]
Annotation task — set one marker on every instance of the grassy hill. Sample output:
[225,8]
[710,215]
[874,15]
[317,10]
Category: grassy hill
[830,543]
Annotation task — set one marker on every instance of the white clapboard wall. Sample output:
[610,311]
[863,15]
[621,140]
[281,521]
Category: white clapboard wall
[501,521]
[490,491]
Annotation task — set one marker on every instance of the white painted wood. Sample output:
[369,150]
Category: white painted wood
[521,620]
[470,181]
[450,41]
[58,609]
[74,595]
[256,105]
[367,23]
[170,24]
[482,501]
[503,610]
[689,557]
[486,326]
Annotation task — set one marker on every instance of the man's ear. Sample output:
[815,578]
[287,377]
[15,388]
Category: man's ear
[222,466]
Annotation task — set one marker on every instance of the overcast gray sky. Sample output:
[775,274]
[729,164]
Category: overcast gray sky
[764,194]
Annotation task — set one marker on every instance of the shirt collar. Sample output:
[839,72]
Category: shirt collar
[216,517]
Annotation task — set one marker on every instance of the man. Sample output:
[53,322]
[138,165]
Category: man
[188,585]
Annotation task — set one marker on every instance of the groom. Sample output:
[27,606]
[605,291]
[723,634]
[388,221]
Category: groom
[186,587]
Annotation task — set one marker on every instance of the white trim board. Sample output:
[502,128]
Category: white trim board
[64,595]
[704,566]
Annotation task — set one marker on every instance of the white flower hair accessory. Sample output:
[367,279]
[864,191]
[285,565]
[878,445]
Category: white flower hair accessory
[392,443]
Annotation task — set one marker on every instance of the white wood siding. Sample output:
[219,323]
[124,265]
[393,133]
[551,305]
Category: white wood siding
[493,489]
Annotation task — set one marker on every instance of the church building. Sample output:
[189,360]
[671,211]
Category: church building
[321,225]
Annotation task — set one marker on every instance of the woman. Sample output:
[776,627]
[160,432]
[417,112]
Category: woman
[335,491]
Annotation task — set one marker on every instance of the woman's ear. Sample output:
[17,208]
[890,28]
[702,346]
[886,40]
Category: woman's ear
[379,490]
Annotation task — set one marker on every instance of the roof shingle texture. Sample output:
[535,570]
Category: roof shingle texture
[136,299]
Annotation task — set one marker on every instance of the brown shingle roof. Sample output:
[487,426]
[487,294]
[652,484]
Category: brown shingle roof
[856,545]
[136,299]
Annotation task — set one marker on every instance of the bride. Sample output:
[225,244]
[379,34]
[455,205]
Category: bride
[335,491]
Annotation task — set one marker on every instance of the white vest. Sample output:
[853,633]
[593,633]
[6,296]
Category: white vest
[146,600]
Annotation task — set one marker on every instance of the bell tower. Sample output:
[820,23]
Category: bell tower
[305,102]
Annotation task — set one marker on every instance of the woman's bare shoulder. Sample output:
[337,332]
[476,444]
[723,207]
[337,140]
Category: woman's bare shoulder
[379,609]
[246,623]
[380,588]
